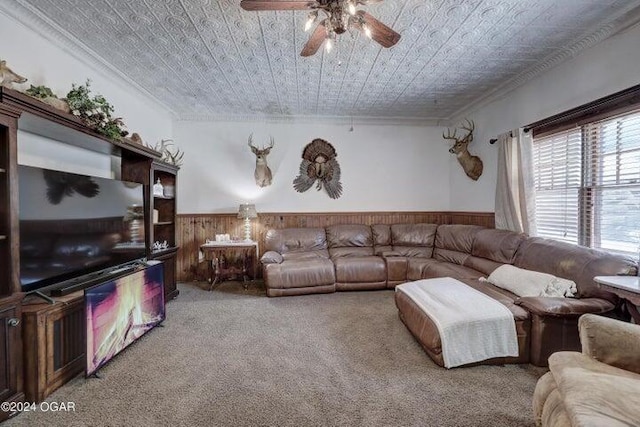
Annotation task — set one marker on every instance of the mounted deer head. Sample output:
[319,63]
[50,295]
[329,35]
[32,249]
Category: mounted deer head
[262,173]
[472,165]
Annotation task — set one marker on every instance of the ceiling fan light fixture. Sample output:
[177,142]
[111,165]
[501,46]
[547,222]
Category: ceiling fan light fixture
[338,17]
[328,45]
[351,7]
[310,20]
[367,30]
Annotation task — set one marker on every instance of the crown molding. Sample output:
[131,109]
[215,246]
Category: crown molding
[328,120]
[623,21]
[36,21]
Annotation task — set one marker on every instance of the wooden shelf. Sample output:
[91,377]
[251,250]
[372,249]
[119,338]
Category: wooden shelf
[165,228]
[43,119]
[161,167]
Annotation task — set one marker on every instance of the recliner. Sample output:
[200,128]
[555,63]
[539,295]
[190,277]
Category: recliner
[361,257]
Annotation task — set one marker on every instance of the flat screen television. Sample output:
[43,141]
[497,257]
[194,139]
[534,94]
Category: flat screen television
[120,311]
[74,225]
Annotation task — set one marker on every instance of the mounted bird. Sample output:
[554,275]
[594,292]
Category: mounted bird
[339,16]
[320,166]
[63,184]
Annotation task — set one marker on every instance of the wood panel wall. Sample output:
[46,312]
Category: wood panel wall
[194,229]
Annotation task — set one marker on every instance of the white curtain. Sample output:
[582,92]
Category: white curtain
[515,191]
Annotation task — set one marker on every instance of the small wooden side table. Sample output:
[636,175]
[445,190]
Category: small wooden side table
[230,259]
[627,288]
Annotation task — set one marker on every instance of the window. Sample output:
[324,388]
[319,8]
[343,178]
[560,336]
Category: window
[587,183]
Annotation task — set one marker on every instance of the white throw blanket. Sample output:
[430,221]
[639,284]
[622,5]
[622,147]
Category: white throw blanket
[473,326]
[527,283]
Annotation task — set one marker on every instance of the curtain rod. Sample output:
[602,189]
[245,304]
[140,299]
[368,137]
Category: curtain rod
[494,140]
[624,98]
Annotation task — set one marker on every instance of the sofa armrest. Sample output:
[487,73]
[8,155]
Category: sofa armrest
[564,307]
[271,257]
[611,341]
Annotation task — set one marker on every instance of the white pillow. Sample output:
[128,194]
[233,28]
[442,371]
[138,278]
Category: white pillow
[527,283]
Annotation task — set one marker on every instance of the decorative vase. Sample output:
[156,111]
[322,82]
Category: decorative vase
[136,230]
[158,189]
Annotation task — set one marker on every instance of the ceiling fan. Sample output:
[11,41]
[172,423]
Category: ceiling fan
[340,16]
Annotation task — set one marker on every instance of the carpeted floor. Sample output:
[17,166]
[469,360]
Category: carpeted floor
[237,358]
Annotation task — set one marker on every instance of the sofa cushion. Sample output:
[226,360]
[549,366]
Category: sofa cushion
[297,240]
[381,238]
[428,268]
[594,393]
[573,262]
[610,341]
[349,241]
[300,256]
[483,265]
[413,240]
[417,267]
[299,274]
[553,413]
[454,242]
[349,235]
[360,270]
[497,245]
[448,269]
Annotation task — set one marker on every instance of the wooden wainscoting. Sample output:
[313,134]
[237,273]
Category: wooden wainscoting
[194,229]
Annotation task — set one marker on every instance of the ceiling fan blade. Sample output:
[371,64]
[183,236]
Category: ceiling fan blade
[316,40]
[379,32]
[276,5]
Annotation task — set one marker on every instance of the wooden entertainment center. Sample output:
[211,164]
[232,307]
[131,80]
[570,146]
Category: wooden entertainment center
[42,345]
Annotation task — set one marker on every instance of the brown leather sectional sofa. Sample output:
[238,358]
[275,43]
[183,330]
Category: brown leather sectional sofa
[301,261]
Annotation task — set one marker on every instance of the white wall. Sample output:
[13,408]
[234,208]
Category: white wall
[417,173]
[384,168]
[602,70]
[44,62]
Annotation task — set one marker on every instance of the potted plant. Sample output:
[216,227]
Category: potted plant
[95,111]
[46,95]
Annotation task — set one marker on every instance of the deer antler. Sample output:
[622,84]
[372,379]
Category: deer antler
[470,126]
[251,142]
[449,135]
[272,143]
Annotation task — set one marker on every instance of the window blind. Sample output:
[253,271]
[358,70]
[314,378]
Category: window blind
[557,162]
[587,183]
[612,182]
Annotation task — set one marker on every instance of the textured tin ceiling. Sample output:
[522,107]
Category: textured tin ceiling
[210,58]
